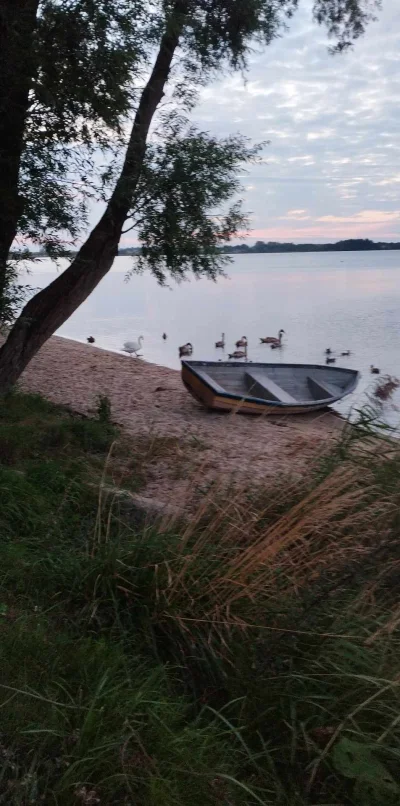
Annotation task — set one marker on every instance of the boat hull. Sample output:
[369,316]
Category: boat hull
[218,399]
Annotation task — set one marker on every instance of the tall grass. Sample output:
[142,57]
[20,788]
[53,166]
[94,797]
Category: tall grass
[246,655]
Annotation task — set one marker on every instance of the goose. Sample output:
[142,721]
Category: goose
[273,339]
[374,370]
[330,360]
[186,349]
[164,335]
[133,347]
[346,352]
[242,342]
[238,354]
[221,343]
[90,340]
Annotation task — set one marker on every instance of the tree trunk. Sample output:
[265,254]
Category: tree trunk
[17,27]
[52,306]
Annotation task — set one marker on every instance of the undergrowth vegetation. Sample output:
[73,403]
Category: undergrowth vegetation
[247,655]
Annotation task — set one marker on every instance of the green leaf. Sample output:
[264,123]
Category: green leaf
[368,794]
[356,760]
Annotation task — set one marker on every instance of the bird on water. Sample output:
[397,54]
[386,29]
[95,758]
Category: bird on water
[185,349]
[238,354]
[273,339]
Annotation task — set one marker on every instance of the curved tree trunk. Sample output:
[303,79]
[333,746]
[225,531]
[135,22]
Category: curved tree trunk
[17,28]
[52,306]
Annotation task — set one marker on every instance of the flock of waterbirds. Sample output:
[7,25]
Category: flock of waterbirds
[330,358]
[133,347]
[275,342]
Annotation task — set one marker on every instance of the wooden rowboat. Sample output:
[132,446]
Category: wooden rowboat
[267,388]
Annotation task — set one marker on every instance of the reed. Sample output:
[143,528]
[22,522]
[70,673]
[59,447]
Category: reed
[244,653]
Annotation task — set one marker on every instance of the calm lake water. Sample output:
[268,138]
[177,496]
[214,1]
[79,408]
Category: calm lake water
[338,300]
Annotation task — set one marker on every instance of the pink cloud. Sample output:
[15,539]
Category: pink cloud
[324,232]
[374,224]
[363,217]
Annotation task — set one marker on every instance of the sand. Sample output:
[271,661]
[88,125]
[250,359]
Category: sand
[149,401]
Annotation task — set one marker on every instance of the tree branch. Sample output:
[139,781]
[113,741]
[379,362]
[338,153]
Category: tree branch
[52,306]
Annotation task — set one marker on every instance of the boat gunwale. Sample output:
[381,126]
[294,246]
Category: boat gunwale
[191,365]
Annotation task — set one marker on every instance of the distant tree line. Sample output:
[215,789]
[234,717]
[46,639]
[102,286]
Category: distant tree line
[349,245]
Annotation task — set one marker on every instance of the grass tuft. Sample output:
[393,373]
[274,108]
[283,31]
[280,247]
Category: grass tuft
[247,655]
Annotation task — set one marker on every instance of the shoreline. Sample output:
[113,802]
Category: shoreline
[151,405]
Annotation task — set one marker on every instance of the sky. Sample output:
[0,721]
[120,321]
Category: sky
[332,169]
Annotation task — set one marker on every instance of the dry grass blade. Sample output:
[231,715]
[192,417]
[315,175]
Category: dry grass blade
[332,499]
[242,552]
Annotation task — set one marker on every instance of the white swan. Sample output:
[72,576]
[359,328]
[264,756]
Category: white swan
[133,347]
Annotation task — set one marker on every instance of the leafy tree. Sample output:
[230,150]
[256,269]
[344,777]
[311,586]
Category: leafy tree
[184,181]
[68,73]
[66,70]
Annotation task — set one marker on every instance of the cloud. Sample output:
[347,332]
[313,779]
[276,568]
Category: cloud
[333,126]
[363,217]
[324,134]
[391,180]
[307,157]
[297,215]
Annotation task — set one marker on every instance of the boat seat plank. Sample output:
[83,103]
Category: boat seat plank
[208,379]
[261,385]
[322,390]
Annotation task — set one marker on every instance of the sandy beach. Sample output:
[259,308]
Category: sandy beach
[149,402]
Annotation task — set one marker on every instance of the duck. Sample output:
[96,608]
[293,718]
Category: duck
[133,347]
[238,354]
[273,339]
[374,370]
[330,360]
[221,342]
[242,342]
[90,340]
[164,335]
[346,352]
[185,349]
[328,351]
